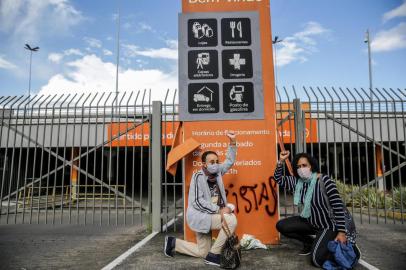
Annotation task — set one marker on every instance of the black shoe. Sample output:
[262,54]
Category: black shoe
[169,246]
[307,250]
[212,259]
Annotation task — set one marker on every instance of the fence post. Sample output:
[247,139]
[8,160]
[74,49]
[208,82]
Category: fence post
[156,143]
[299,127]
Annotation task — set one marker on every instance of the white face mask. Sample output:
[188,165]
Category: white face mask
[213,168]
[304,173]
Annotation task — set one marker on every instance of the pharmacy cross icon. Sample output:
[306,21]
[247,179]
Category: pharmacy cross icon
[237,61]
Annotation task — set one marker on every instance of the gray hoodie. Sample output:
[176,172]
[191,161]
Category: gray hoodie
[200,208]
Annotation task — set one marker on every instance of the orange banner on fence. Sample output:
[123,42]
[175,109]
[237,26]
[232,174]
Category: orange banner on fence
[287,131]
[139,135]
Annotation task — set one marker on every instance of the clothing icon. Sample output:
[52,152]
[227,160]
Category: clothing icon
[203,59]
[237,61]
[236,26]
[236,93]
[201,31]
[204,94]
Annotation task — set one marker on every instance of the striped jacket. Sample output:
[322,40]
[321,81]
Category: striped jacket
[200,208]
[319,218]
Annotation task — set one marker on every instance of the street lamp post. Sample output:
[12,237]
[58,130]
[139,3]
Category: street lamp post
[28,47]
[275,41]
[368,41]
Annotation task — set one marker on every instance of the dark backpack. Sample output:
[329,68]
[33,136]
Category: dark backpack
[351,231]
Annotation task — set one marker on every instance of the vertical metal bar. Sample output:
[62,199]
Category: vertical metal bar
[37,145]
[318,126]
[76,196]
[165,175]
[372,113]
[42,158]
[19,160]
[133,161]
[142,156]
[310,123]
[80,165]
[358,154]
[366,152]
[342,138]
[290,133]
[334,133]
[126,156]
[118,155]
[27,158]
[56,159]
[173,177]
[13,158]
[110,157]
[298,126]
[350,147]
[6,149]
[102,155]
[326,134]
[156,143]
[394,112]
[49,157]
[150,161]
[65,157]
[87,154]
[383,154]
[398,150]
[96,132]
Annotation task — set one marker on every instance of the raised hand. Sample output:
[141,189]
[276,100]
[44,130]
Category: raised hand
[284,155]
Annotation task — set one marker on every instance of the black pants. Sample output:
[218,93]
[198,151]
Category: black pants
[298,228]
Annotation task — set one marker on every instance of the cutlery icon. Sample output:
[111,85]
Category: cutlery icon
[232,26]
[238,26]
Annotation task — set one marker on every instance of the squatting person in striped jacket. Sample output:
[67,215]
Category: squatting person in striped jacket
[314,218]
[206,204]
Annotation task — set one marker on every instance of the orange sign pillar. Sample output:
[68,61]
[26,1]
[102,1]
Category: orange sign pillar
[248,183]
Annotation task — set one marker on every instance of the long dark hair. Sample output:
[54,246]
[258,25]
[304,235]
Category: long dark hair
[310,159]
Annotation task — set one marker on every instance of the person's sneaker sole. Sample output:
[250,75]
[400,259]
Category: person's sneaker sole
[305,254]
[211,263]
[165,245]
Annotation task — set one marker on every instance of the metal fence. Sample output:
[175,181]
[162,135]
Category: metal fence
[96,158]
[358,138]
[77,158]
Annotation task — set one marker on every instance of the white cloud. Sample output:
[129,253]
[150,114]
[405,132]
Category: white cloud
[6,64]
[300,45]
[145,27]
[72,52]
[389,40]
[93,42]
[91,74]
[400,11]
[55,57]
[27,18]
[107,52]
[162,53]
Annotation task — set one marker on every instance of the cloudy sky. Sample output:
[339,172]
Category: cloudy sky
[323,44]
